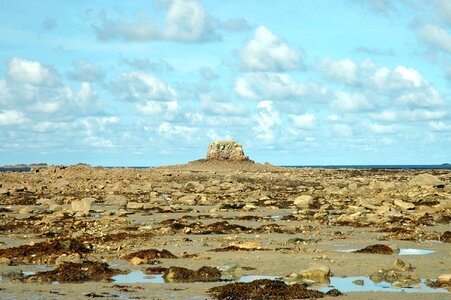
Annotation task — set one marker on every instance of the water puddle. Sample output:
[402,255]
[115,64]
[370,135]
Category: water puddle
[278,217]
[250,278]
[346,284]
[138,277]
[402,251]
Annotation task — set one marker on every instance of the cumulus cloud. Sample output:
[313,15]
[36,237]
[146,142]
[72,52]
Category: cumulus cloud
[381,129]
[266,52]
[168,130]
[429,97]
[267,119]
[374,51]
[305,121]
[444,9]
[167,111]
[11,117]
[215,107]
[32,72]
[344,70]
[268,85]
[140,86]
[350,102]
[185,21]
[84,70]
[440,126]
[342,130]
[436,37]
[145,64]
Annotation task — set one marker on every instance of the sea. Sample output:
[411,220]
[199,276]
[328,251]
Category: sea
[393,167]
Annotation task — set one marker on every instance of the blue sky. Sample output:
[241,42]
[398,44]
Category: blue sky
[299,82]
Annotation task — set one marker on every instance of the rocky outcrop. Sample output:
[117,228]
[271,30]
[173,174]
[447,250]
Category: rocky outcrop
[226,151]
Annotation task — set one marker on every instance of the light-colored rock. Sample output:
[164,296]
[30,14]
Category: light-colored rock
[444,278]
[83,206]
[404,205]
[426,180]
[116,200]
[188,199]
[5,261]
[75,258]
[135,261]
[226,150]
[135,205]
[25,211]
[303,201]
[317,273]
[4,191]
[248,245]
[55,208]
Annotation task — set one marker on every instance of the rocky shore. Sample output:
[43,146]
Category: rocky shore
[220,219]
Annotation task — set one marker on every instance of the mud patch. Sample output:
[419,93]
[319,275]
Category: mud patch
[266,289]
[76,272]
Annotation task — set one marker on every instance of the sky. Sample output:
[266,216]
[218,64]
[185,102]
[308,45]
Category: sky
[296,82]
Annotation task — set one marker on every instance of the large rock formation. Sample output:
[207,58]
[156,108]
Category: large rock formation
[226,150]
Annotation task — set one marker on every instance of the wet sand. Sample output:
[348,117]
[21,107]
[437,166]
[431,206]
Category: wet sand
[194,210]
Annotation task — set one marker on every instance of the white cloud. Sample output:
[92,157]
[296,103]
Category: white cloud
[428,97]
[85,71]
[350,102]
[165,110]
[444,9]
[185,21]
[140,86]
[267,119]
[4,91]
[344,70]
[259,86]
[306,121]
[266,52]
[385,116]
[342,130]
[210,106]
[435,36]
[169,130]
[381,129]
[423,115]
[31,72]
[11,117]
[333,118]
[440,126]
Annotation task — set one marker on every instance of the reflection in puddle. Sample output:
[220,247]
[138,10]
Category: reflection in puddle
[402,251]
[250,278]
[278,217]
[408,251]
[345,284]
[138,277]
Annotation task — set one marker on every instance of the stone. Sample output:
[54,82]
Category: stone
[116,200]
[4,191]
[426,180]
[444,278]
[317,273]
[83,206]
[359,282]
[226,151]
[5,261]
[188,199]
[135,205]
[248,245]
[74,258]
[135,261]
[26,210]
[404,205]
[303,201]
[55,208]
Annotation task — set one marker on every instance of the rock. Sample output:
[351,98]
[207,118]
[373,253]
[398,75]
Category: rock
[303,201]
[376,249]
[226,151]
[248,245]
[19,188]
[189,199]
[4,191]
[135,205]
[317,273]
[359,282]
[404,205]
[82,206]
[55,208]
[116,200]
[426,180]
[444,278]
[74,258]
[135,261]
[26,211]
[403,266]
[5,261]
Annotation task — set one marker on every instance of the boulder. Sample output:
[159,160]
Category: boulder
[404,205]
[426,180]
[116,200]
[135,205]
[303,201]
[82,206]
[317,273]
[226,151]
